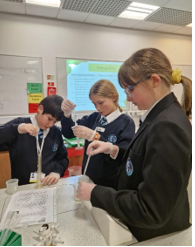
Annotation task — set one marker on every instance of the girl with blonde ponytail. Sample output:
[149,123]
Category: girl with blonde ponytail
[108,124]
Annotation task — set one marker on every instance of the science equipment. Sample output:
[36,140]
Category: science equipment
[39,170]
[11,222]
[87,163]
[48,235]
[74,117]
[12,186]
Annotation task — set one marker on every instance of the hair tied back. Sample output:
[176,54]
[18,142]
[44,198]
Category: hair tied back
[176,76]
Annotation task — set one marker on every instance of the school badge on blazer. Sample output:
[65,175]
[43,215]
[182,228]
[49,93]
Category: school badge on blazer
[129,167]
[112,138]
[55,147]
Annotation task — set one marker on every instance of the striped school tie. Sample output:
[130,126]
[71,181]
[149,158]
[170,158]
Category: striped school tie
[103,121]
[40,136]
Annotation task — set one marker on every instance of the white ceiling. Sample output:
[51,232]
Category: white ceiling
[170,18]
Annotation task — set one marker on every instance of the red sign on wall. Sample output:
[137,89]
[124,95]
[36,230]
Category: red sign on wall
[50,84]
[51,91]
[32,108]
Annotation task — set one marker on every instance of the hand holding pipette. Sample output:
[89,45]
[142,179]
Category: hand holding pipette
[84,190]
[102,147]
[75,121]
[74,117]
[68,109]
[24,128]
[83,132]
[67,106]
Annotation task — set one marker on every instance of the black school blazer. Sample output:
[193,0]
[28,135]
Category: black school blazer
[151,197]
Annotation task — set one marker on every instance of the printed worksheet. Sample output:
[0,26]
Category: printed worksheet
[35,206]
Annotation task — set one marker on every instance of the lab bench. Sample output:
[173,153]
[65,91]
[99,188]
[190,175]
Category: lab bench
[78,227]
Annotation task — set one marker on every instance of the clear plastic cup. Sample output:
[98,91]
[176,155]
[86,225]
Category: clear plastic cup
[75,185]
[12,186]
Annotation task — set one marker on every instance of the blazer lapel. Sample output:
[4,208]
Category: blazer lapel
[158,108]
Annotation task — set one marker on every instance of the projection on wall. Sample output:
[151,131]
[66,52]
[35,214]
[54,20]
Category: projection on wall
[82,74]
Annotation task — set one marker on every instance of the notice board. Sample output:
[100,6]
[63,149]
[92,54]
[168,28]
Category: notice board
[18,75]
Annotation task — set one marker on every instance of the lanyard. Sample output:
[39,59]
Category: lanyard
[45,132]
[39,150]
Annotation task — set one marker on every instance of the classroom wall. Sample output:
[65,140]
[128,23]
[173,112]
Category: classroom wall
[47,38]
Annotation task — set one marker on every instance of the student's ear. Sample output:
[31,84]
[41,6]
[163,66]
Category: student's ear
[114,97]
[155,80]
[40,109]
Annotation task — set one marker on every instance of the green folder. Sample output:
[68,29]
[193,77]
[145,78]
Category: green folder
[73,142]
[14,239]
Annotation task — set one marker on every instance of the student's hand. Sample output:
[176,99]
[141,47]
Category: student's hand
[84,190]
[27,128]
[83,132]
[52,178]
[97,147]
[67,107]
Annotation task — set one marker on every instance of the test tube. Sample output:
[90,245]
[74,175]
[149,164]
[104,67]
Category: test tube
[74,117]
[39,171]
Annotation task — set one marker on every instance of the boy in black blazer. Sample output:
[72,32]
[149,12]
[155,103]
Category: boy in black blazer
[20,135]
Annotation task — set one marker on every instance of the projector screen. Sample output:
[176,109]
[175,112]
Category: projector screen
[82,74]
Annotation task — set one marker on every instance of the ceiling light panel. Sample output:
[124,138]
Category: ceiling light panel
[133,15]
[138,11]
[98,7]
[110,7]
[144,6]
[171,17]
[51,3]
[15,1]
[189,25]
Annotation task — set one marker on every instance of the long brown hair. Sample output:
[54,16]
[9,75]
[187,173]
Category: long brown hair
[150,61]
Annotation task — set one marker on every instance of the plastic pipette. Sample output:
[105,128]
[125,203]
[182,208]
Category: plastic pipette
[74,118]
[87,163]
[83,177]
[75,121]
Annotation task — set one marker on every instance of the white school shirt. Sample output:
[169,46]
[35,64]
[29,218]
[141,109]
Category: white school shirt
[45,133]
[112,116]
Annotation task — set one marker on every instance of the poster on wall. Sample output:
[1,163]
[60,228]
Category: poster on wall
[35,95]
[51,91]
